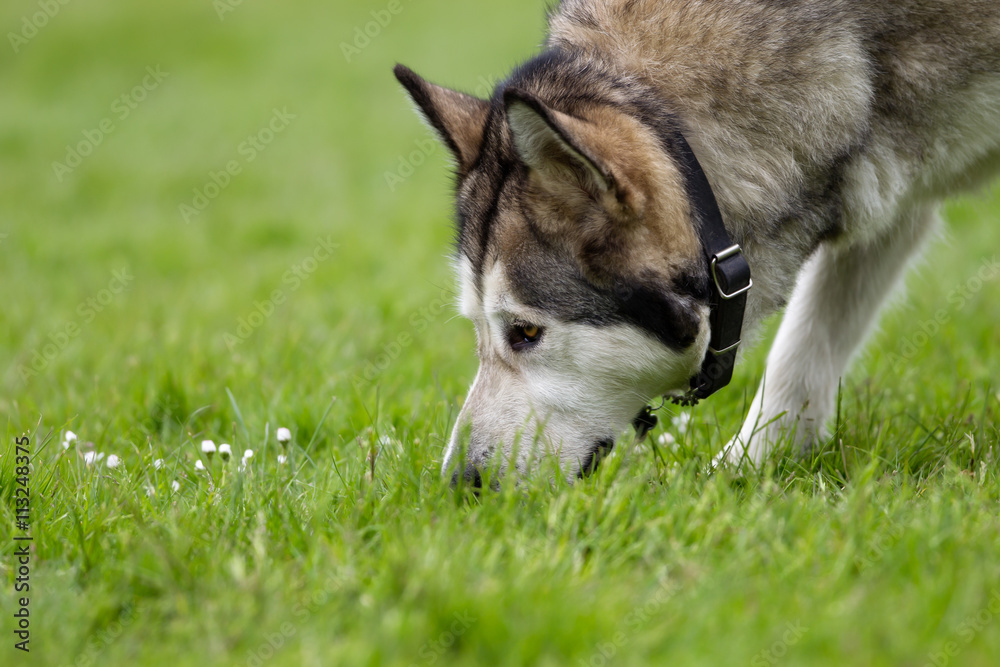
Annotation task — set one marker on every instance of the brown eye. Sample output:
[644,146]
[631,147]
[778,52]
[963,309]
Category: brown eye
[523,336]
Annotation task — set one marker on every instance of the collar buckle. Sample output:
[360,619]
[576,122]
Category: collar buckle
[730,273]
[731,251]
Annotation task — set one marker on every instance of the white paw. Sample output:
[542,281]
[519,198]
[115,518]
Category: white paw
[732,457]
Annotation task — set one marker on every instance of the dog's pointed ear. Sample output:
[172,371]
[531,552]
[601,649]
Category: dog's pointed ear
[564,148]
[459,119]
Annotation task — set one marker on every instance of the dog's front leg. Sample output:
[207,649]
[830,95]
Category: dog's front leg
[833,306]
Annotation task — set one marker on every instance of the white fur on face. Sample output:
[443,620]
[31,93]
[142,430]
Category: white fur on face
[578,386]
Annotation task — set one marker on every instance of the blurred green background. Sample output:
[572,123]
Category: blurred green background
[226,68]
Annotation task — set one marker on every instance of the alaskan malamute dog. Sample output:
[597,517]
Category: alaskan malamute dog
[616,192]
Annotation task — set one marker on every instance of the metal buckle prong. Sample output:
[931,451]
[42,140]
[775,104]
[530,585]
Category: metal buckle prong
[728,349]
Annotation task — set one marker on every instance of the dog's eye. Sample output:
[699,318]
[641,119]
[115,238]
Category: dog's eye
[523,336]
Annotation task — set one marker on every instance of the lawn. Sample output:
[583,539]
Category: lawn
[218,219]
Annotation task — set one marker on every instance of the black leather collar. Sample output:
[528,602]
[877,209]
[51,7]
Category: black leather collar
[729,273]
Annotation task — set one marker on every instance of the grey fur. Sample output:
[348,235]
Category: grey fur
[829,131]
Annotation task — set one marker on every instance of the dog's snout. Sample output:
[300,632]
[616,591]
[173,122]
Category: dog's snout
[471,476]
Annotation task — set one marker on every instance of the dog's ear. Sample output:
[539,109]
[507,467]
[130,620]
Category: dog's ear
[565,149]
[459,119]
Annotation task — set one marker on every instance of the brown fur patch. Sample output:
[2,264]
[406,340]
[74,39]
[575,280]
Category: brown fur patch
[459,119]
[641,223]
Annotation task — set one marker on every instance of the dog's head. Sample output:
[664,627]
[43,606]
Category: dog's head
[580,267]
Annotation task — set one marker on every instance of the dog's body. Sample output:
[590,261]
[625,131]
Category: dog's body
[828,131]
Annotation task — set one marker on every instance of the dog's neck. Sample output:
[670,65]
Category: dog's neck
[775,247]
[775,242]
[779,221]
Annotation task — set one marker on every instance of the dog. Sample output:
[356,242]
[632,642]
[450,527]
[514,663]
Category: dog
[608,180]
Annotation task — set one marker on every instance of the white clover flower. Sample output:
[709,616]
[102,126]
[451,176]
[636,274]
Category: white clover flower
[113,461]
[225,451]
[282,459]
[199,466]
[157,464]
[69,438]
[248,454]
[175,485]
[284,436]
[100,456]
[89,457]
[681,422]
[207,447]
[666,440]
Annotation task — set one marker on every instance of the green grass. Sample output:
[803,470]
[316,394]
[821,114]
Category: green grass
[877,552]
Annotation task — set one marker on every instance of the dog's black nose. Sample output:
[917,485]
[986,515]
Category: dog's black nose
[593,458]
[470,475]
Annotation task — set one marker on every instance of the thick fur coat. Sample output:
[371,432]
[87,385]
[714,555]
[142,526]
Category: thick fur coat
[829,132]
